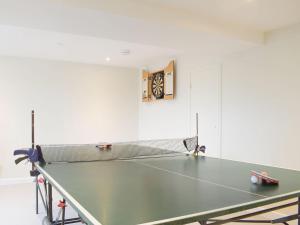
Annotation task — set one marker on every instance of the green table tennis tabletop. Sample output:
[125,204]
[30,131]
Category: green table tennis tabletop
[165,190]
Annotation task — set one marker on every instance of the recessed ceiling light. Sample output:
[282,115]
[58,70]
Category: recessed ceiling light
[107,59]
[125,52]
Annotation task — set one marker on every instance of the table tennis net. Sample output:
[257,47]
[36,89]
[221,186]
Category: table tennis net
[118,151]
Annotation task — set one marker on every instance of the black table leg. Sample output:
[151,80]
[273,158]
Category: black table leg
[63,212]
[50,214]
[36,196]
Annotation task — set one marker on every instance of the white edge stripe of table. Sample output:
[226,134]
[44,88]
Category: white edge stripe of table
[282,197]
[69,197]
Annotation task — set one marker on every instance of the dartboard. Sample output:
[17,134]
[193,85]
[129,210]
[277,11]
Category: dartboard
[158,85]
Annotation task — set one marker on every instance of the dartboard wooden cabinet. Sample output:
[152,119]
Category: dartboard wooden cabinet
[160,84]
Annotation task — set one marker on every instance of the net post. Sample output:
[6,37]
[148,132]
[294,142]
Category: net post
[197,129]
[32,164]
[32,134]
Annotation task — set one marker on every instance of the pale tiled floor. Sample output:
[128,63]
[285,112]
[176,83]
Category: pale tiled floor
[17,207]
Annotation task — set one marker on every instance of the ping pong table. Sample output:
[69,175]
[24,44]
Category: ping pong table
[168,190]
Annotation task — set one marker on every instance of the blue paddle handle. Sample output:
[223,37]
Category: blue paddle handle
[21,152]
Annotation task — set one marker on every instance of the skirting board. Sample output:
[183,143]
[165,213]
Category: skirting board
[18,180]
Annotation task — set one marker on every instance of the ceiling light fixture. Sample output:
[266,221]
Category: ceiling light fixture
[107,59]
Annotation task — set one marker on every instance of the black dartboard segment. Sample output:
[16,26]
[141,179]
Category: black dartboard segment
[158,85]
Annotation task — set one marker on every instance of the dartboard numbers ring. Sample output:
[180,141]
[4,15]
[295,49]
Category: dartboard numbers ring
[158,85]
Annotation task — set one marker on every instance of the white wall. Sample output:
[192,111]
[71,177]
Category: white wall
[248,103]
[74,103]
[261,107]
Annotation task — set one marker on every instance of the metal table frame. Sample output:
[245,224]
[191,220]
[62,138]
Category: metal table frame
[47,200]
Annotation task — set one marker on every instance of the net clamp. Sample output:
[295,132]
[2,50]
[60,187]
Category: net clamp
[62,204]
[41,180]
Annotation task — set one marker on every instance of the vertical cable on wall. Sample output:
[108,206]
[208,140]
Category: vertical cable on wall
[190,104]
[220,109]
